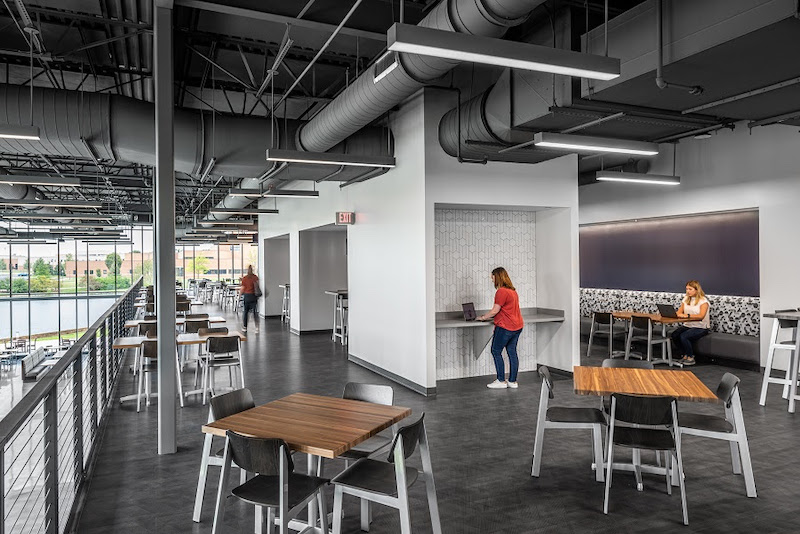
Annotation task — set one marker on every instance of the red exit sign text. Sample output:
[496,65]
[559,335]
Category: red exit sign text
[345,217]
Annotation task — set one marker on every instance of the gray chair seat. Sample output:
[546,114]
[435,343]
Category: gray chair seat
[375,476]
[366,448]
[265,490]
[711,423]
[643,438]
[575,415]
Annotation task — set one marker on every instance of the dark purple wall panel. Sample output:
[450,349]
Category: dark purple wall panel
[719,250]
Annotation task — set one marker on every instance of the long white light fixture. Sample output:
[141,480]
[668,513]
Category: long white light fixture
[500,52]
[50,203]
[637,178]
[242,211]
[71,225]
[385,64]
[291,193]
[57,216]
[245,192]
[12,131]
[328,158]
[14,179]
[585,143]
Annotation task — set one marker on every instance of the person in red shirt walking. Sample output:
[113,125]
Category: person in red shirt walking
[507,328]
[250,293]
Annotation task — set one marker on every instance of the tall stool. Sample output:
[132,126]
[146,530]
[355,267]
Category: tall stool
[286,306]
[340,319]
[790,381]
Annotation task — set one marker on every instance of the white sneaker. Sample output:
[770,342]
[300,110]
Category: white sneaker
[256,330]
[497,385]
[513,385]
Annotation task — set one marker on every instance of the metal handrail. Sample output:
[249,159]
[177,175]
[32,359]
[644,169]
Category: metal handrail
[19,413]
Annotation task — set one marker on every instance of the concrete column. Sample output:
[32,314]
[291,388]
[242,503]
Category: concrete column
[164,229]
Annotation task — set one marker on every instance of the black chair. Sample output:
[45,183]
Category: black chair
[377,394]
[569,419]
[730,429]
[224,405]
[603,326]
[655,427]
[276,489]
[222,351]
[387,482]
[193,326]
[639,323]
[627,364]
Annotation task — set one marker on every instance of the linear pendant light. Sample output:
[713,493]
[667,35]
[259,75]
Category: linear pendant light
[595,144]
[291,193]
[500,52]
[243,211]
[230,222]
[638,178]
[236,192]
[57,216]
[12,131]
[54,181]
[328,158]
[50,203]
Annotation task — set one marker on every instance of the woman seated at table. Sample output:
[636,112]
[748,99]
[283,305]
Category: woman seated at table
[695,308]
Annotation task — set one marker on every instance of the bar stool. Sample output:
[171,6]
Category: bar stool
[286,306]
[340,319]
[790,381]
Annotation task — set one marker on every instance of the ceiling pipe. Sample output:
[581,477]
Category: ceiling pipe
[660,81]
[365,101]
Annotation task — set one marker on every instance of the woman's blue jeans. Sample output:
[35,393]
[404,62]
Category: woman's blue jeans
[683,337]
[505,339]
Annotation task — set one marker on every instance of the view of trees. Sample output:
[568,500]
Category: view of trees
[114,263]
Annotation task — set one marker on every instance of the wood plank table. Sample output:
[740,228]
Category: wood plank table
[603,381]
[626,315]
[318,426]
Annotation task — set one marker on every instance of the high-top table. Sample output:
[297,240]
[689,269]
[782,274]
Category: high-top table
[324,427]
[340,295]
[783,320]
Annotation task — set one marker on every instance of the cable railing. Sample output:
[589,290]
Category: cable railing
[50,437]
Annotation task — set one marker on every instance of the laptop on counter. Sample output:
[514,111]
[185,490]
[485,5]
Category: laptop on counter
[469,311]
[667,310]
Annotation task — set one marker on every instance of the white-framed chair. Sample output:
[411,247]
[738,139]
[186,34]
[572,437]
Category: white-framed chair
[387,482]
[566,419]
[730,429]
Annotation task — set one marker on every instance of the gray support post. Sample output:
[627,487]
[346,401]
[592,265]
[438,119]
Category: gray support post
[164,232]
[93,384]
[51,460]
[77,421]
[3,480]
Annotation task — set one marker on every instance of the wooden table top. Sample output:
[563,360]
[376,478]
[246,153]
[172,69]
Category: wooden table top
[655,317]
[323,426]
[132,342]
[178,321]
[604,381]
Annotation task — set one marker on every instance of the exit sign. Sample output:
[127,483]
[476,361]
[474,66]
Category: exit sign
[345,217]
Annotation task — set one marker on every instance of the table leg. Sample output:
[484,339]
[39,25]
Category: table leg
[201,481]
[793,367]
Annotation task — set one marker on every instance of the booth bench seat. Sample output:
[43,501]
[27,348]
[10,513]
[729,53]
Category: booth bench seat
[32,365]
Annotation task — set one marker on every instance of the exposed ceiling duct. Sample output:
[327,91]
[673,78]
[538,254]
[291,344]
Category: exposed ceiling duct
[365,101]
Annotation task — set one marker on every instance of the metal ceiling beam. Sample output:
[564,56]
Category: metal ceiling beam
[94,19]
[777,119]
[280,19]
[746,94]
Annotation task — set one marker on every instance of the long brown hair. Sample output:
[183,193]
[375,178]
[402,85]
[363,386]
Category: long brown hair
[501,278]
[699,295]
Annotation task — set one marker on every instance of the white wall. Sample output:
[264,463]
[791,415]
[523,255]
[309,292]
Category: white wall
[552,184]
[732,170]
[323,267]
[275,259]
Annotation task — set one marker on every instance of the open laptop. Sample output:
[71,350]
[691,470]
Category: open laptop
[469,311]
[667,310]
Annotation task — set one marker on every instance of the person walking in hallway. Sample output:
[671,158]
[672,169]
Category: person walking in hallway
[250,293]
[507,328]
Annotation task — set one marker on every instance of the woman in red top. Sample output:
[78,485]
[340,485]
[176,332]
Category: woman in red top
[507,328]
[248,286]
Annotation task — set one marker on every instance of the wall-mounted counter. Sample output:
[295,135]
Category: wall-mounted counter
[481,333]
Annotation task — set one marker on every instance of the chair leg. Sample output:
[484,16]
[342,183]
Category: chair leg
[792,383]
[323,511]
[597,447]
[667,466]
[201,480]
[139,389]
[637,468]
[537,449]
[337,510]
[736,463]
[683,487]
[609,470]
[366,515]
[270,521]
[591,337]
